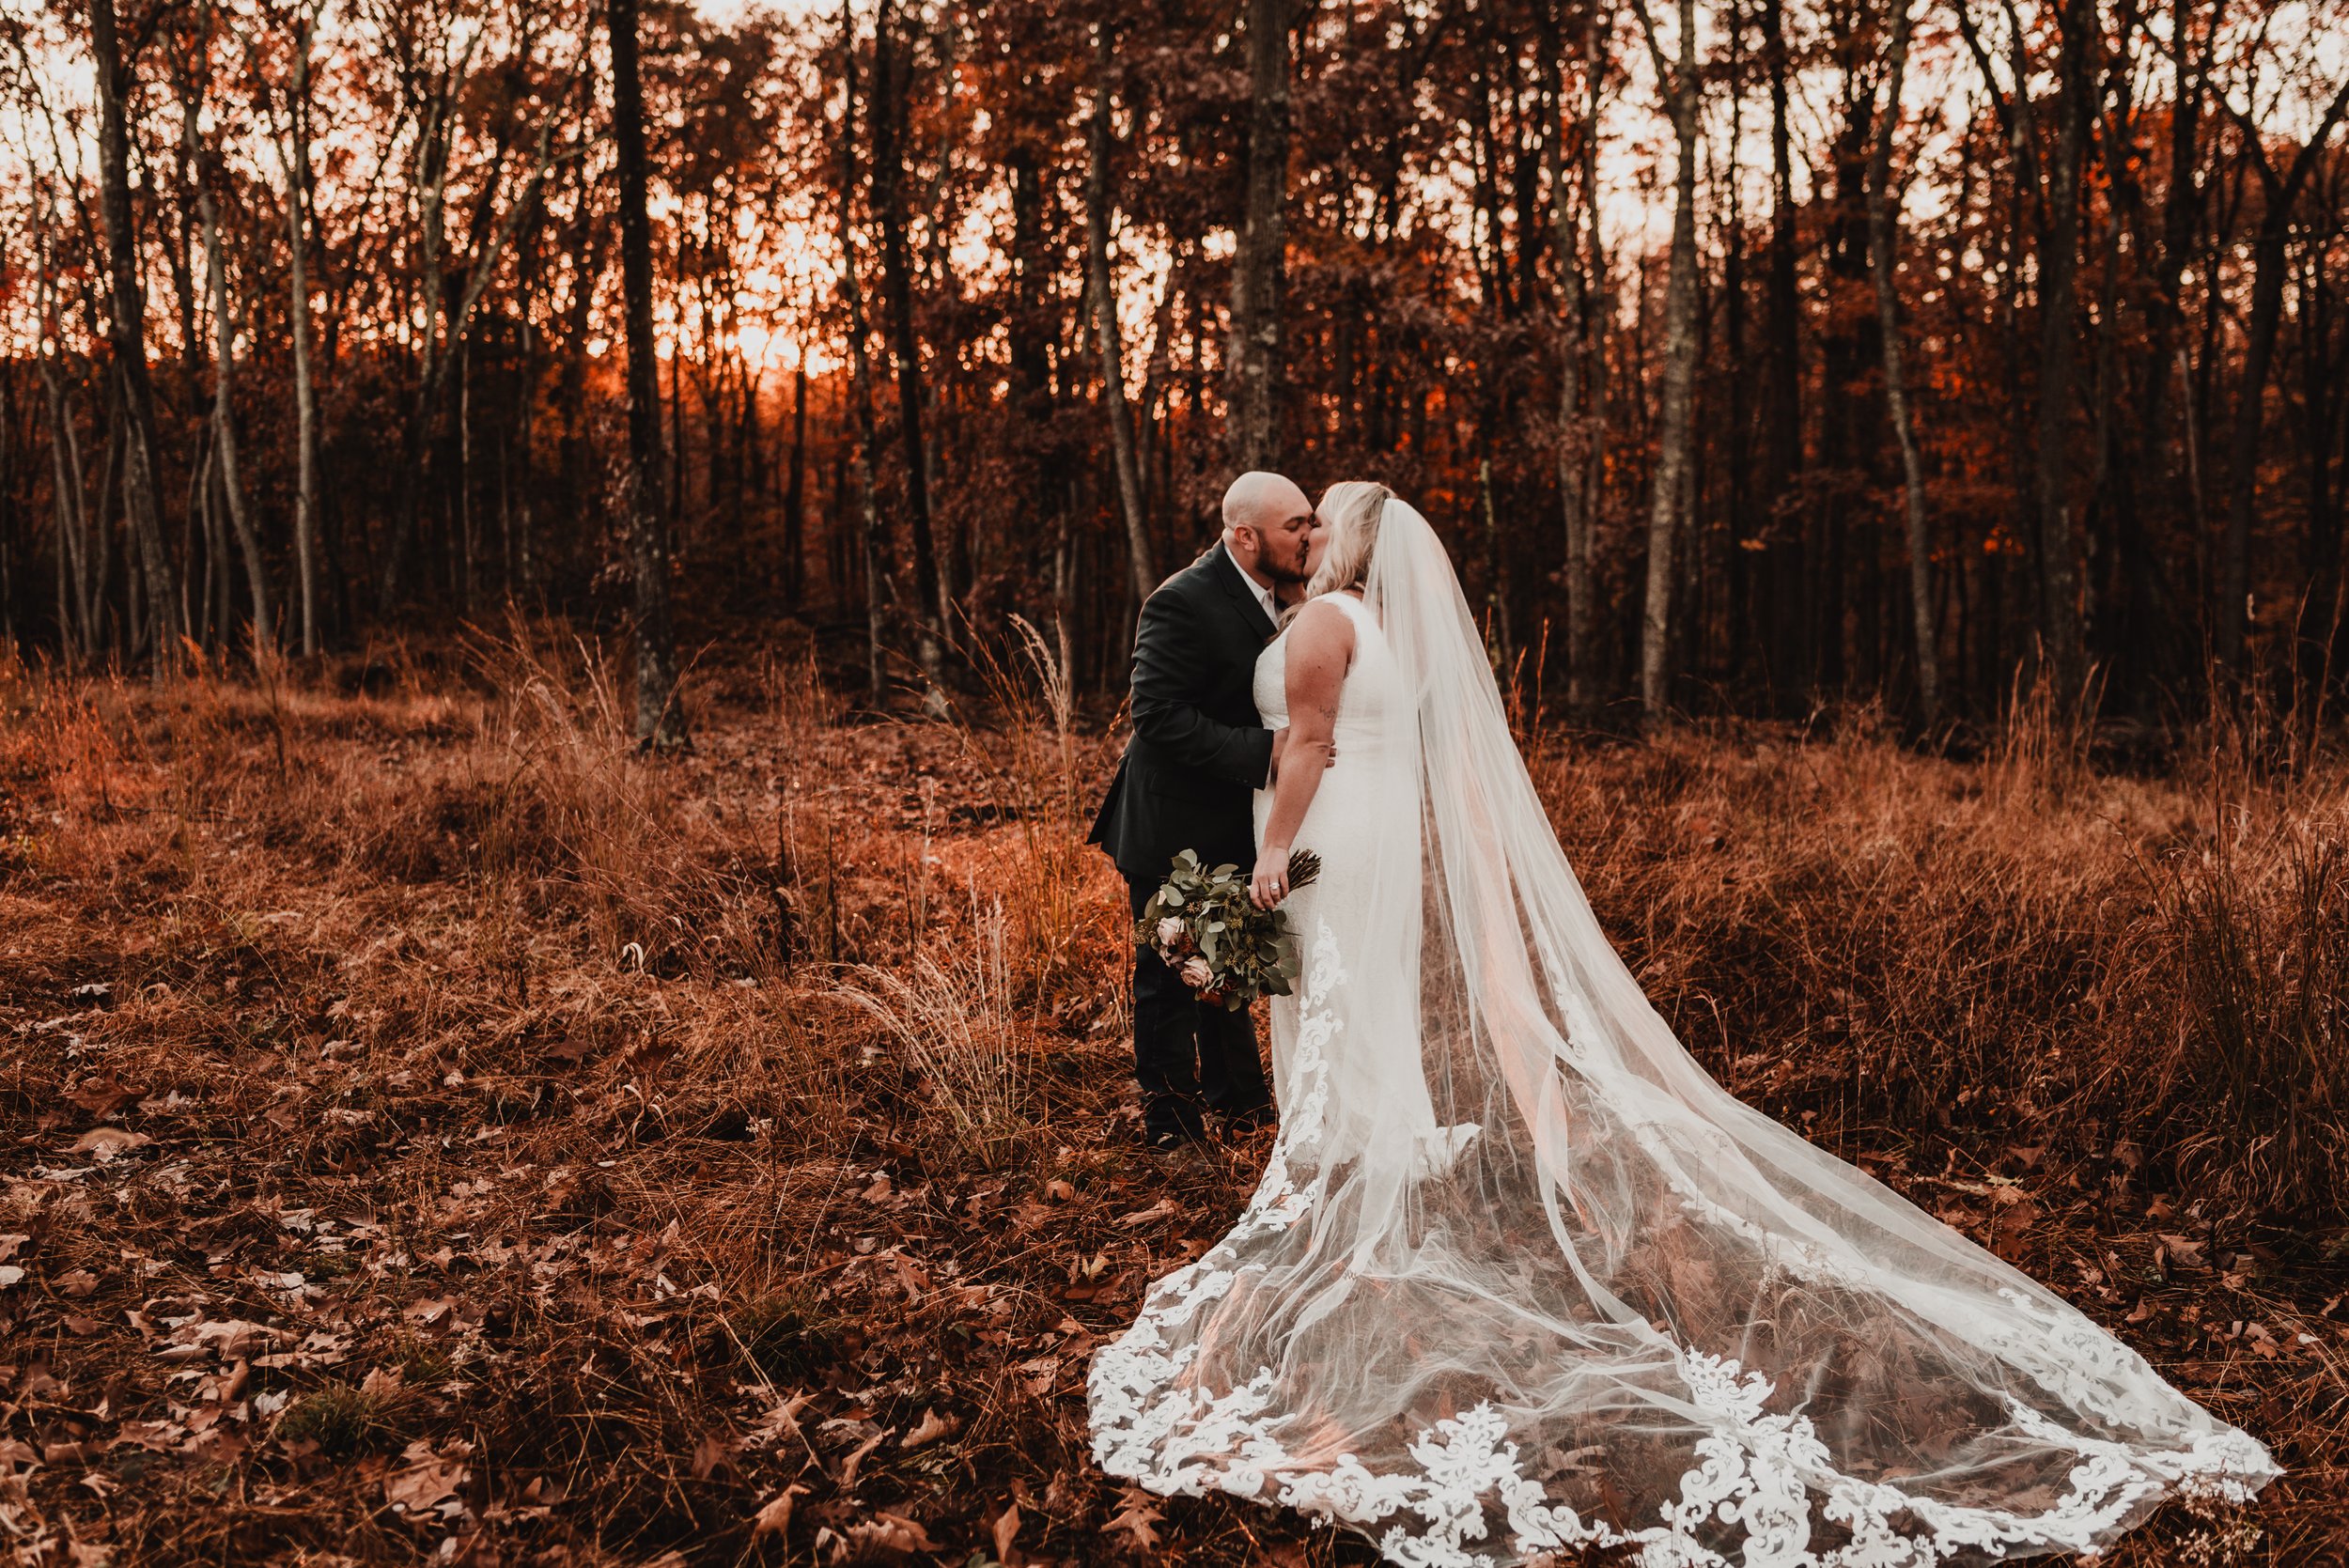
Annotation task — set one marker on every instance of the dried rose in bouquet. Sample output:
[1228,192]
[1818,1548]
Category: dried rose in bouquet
[1205,926]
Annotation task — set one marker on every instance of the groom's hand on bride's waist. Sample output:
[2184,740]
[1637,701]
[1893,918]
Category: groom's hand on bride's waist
[1280,745]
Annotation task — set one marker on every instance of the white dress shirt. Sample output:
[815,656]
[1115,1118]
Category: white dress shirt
[1264,595]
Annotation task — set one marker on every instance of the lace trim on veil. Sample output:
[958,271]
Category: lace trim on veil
[2058,1347]
[1759,1477]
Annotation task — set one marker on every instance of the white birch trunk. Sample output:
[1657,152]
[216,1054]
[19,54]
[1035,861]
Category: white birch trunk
[1108,336]
[225,429]
[1882,237]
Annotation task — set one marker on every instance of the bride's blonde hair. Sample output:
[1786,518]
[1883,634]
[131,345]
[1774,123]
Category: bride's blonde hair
[1353,508]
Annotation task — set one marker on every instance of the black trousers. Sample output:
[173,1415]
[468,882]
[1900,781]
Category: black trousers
[1188,1055]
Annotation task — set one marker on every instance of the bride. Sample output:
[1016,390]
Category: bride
[1519,1277]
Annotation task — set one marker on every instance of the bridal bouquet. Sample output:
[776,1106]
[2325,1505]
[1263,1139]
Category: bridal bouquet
[1208,931]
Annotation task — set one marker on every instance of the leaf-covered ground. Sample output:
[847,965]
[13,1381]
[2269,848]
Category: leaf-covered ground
[433,1133]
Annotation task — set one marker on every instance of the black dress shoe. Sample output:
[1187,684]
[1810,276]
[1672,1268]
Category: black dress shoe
[1173,1141]
[1241,1123]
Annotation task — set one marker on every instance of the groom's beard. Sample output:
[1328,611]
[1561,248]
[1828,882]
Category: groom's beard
[1288,581]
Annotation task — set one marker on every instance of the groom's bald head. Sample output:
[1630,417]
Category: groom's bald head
[1268,523]
[1261,500]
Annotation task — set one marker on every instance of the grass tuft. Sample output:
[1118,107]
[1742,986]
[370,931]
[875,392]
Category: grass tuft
[785,1336]
[345,1421]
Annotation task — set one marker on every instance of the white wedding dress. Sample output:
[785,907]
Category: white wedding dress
[1520,1277]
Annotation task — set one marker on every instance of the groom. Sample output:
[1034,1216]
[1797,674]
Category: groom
[1198,752]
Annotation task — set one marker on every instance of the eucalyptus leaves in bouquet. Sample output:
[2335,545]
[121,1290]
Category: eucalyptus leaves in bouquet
[1203,924]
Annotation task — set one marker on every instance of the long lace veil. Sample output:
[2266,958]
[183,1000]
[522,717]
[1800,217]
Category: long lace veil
[1617,1305]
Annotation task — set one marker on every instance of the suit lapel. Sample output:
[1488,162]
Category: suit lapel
[1226,571]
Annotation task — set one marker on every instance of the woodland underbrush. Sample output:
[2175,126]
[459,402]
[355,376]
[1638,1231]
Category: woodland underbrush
[2156,964]
[435,1131]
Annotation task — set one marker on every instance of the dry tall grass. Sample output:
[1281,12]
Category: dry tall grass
[435,1131]
[1025,753]
[955,1017]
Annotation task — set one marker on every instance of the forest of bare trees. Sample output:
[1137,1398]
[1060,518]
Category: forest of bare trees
[1750,356]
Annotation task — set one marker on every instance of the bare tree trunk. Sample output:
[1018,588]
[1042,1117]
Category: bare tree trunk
[889,132]
[1783,427]
[1574,445]
[72,559]
[75,622]
[428,176]
[1107,335]
[2150,452]
[7,512]
[188,87]
[140,490]
[1675,429]
[673,497]
[293,162]
[2279,194]
[1253,357]
[1882,236]
[660,710]
[439,356]
[2058,275]
[860,360]
[469,551]
[520,567]
[795,494]
[224,428]
[210,580]
[208,606]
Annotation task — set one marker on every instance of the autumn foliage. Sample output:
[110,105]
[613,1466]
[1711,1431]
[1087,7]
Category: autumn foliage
[1750,358]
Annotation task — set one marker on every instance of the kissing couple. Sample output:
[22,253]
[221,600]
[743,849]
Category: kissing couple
[1519,1278]
[1202,749]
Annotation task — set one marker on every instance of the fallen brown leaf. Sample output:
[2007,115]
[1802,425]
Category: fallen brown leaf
[2184,1249]
[110,1142]
[1137,1519]
[774,1514]
[931,1427]
[157,1435]
[1039,1375]
[847,1465]
[782,1420]
[714,1452]
[426,1481]
[102,1095]
[890,1532]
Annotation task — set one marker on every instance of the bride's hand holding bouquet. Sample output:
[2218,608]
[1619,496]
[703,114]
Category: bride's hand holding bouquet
[1212,931]
[1274,878]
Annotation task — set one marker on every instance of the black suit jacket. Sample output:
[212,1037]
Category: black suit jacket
[1199,750]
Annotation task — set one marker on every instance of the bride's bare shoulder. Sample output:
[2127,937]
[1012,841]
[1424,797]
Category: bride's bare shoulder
[1321,631]
[1323,618]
